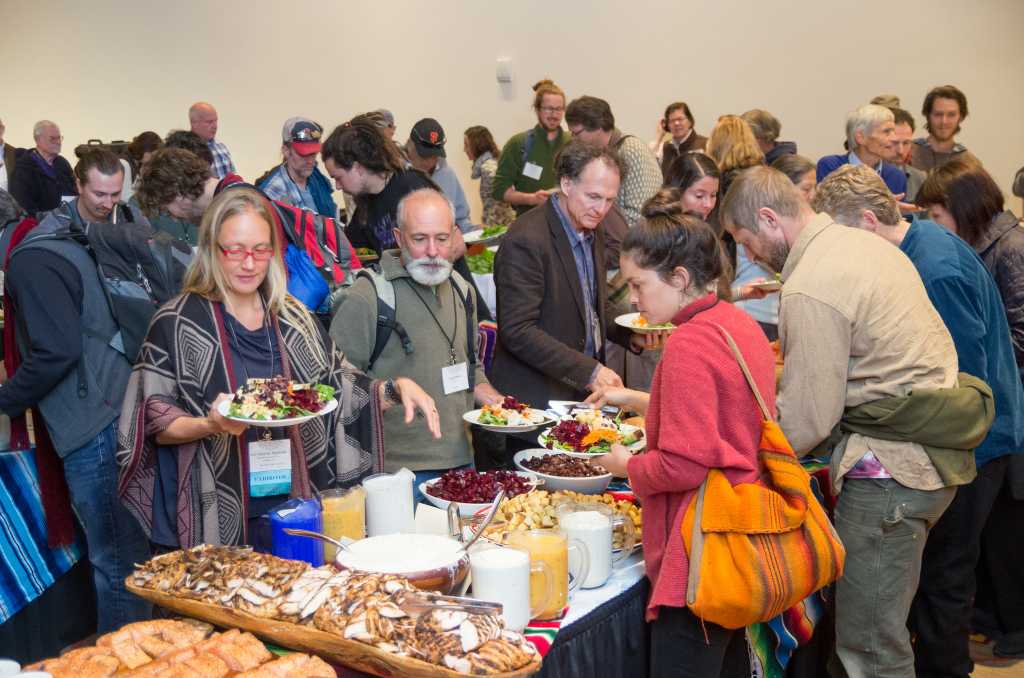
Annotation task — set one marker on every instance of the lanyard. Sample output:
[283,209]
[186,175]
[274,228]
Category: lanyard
[455,312]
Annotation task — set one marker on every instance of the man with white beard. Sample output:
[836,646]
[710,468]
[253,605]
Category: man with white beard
[417,317]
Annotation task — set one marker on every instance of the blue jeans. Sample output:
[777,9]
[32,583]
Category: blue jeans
[426,476]
[114,538]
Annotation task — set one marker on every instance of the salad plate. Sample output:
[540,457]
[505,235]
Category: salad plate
[510,416]
[485,236]
[278,402]
[637,323]
[586,434]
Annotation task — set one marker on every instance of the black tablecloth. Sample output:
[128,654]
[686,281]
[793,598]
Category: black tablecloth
[612,641]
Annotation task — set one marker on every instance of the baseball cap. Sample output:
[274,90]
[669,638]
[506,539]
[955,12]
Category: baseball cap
[428,137]
[303,134]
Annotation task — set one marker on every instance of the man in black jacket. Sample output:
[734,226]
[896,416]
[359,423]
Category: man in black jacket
[42,178]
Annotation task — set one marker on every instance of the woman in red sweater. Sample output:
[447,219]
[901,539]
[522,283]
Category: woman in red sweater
[700,415]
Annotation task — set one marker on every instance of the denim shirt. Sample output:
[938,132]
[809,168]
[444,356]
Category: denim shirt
[582,244]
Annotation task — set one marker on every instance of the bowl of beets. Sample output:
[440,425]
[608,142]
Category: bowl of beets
[474,490]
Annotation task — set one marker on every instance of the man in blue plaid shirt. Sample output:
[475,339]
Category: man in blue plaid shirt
[203,119]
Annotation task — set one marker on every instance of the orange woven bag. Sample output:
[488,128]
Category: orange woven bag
[757,549]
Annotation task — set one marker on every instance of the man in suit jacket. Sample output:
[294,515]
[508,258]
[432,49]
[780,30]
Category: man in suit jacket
[550,280]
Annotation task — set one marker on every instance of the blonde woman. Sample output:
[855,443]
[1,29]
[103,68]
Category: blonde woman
[734,148]
[185,469]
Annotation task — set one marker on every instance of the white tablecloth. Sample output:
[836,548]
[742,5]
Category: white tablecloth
[626,574]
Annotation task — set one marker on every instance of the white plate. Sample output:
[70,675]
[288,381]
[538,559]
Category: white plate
[473,415]
[477,237]
[277,423]
[467,510]
[587,485]
[767,285]
[628,320]
[624,428]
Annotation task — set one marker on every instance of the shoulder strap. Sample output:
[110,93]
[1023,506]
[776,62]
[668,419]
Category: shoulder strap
[387,321]
[528,144]
[746,373]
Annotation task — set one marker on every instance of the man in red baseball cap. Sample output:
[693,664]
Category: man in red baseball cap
[297,181]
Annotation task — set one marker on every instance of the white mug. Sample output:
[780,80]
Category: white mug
[592,524]
[501,574]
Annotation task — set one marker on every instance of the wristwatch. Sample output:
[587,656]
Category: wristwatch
[391,392]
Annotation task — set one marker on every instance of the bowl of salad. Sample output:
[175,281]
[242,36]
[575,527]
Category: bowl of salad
[488,235]
[278,402]
[588,433]
[638,323]
[509,416]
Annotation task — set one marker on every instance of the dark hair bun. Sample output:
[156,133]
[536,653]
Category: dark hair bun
[665,203]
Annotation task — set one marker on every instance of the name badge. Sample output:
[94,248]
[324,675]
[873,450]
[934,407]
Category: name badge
[67,198]
[455,378]
[270,467]
[532,170]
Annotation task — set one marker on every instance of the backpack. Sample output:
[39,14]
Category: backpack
[139,269]
[527,146]
[387,318]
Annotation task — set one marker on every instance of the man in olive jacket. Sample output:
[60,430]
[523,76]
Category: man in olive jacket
[550,279]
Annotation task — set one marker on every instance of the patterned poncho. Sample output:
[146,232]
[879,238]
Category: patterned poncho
[185,363]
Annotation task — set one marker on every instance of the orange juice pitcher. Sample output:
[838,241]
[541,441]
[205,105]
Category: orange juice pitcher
[552,548]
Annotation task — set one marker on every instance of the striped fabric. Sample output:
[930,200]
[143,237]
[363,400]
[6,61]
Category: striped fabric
[27,566]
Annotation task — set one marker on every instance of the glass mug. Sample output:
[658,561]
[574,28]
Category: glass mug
[502,574]
[592,523]
[552,546]
[344,515]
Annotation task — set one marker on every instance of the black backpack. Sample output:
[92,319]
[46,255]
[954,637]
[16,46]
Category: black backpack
[139,269]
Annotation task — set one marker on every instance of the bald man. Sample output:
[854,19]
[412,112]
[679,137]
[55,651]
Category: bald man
[202,117]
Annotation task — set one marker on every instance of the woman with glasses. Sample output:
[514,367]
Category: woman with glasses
[526,171]
[186,471]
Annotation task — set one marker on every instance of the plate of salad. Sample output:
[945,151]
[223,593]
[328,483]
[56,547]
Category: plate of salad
[488,235]
[509,416]
[638,323]
[278,402]
[587,433]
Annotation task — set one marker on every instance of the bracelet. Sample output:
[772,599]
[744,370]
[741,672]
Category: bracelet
[391,392]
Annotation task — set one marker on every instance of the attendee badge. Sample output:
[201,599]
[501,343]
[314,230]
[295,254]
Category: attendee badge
[455,378]
[532,170]
[270,467]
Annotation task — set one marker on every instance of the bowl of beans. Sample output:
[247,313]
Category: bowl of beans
[562,472]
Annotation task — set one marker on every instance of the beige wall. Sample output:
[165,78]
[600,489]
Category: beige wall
[110,69]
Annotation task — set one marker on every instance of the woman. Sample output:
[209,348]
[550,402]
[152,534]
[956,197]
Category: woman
[678,124]
[184,467]
[800,171]
[964,198]
[734,148]
[483,153]
[671,261]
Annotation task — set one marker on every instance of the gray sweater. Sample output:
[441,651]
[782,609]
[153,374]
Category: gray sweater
[354,330]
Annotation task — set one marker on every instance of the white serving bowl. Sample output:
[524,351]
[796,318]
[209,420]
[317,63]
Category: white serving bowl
[467,510]
[589,485]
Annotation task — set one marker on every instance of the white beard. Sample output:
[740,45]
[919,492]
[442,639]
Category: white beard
[422,270]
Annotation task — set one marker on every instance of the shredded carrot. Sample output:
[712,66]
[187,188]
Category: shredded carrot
[600,434]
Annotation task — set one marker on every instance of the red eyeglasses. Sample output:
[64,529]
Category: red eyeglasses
[261,253]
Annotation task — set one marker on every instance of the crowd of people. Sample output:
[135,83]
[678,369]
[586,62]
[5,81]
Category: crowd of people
[899,327]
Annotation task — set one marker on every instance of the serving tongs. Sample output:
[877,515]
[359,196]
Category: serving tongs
[419,602]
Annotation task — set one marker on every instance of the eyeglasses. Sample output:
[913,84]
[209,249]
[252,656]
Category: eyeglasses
[261,253]
[552,109]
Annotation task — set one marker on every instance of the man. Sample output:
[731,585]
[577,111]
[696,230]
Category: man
[590,119]
[174,190]
[425,149]
[190,141]
[202,117]
[864,351]
[944,109]
[766,128]
[550,278]
[42,178]
[902,150]
[436,309]
[8,160]
[297,181]
[678,122]
[70,374]
[870,132]
[968,301]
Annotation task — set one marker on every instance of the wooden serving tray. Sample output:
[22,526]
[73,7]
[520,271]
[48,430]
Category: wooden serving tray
[350,653]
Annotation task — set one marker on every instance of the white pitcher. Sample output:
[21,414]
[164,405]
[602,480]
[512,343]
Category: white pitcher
[389,505]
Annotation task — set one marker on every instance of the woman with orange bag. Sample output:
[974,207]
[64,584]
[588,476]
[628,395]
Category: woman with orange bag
[700,415]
